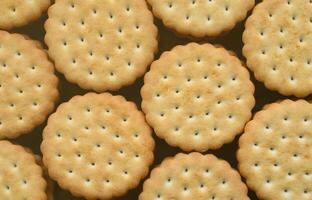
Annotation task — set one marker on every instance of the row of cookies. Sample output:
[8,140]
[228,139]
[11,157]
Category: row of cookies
[100,146]
[159,83]
[273,158]
[276,37]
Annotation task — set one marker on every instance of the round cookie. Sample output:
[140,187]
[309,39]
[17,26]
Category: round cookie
[201,18]
[277,45]
[20,176]
[194,176]
[101,45]
[97,146]
[28,86]
[16,13]
[275,151]
[197,97]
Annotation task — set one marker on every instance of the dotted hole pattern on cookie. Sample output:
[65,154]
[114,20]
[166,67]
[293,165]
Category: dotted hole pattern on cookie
[104,58]
[279,61]
[22,85]
[276,164]
[16,14]
[198,93]
[181,178]
[204,15]
[114,151]
[24,174]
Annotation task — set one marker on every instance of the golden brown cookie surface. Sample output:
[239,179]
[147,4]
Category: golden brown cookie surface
[28,86]
[275,151]
[200,18]
[101,45]
[197,97]
[15,13]
[20,176]
[277,46]
[194,176]
[97,146]
[50,183]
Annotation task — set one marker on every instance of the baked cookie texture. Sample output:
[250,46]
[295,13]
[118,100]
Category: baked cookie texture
[194,176]
[20,176]
[50,183]
[16,13]
[197,97]
[201,18]
[277,46]
[101,45]
[28,85]
[97,146]
[275,151]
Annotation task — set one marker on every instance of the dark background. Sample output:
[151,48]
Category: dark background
[167,40]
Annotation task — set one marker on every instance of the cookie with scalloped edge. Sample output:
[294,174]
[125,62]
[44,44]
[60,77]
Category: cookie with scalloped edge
[201,18]
[16,13]
[28,85]
[20,175]
[194,176]
[197,97]
[101,45]
[97,146]
[277,46]
[274,152]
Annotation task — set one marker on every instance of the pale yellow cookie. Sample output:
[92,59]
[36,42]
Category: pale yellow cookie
[194,177]
[275,152]
[97,146]
[197,97]
[277,45]
[101,44]
[28,86]
[16,13]
[20,176]
[201,18]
